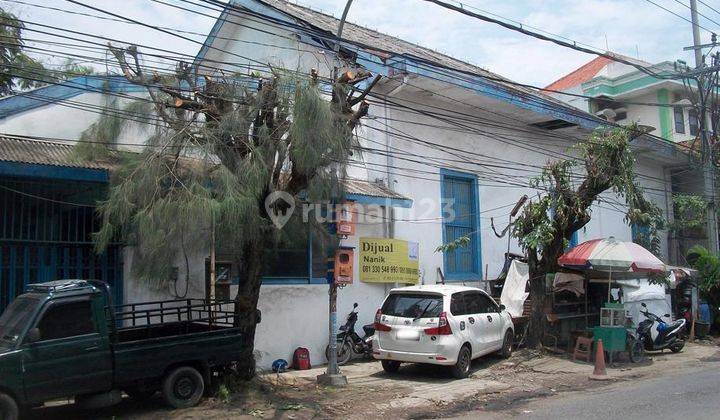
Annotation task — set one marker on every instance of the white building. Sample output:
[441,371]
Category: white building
[442,134]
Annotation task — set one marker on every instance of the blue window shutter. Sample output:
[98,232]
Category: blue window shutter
[459,197]
[574,240]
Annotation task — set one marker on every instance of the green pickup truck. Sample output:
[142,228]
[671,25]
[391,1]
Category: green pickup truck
[65,339]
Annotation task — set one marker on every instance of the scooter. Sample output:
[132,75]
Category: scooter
[656,334]
[349,342]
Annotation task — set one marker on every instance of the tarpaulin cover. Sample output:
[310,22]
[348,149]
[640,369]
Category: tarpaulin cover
[513,293]
[571,282]
[640,291]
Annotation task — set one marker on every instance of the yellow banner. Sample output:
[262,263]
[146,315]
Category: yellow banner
[388,261]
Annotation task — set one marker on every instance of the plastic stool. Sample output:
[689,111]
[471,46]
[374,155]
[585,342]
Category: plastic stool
[583,348]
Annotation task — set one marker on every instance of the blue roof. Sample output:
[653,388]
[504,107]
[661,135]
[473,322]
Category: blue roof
[45,95]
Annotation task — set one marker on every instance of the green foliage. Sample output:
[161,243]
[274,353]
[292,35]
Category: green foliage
[19,71]
[689,212]
[192,176]
[547,223]
[97,142]
[460,242]
[708,267]
[13,61]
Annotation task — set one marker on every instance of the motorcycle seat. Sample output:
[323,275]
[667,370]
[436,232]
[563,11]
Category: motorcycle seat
[369,329]
[343,328]
[675,324]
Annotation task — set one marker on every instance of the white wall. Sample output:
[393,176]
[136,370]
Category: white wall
[68,119]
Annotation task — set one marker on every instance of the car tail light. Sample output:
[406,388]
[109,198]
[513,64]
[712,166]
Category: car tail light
[443,327]
[379,326]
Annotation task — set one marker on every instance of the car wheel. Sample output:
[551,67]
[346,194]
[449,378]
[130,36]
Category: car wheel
[506,350]
[461,369]
[8,408]
[183,387]
[390,366]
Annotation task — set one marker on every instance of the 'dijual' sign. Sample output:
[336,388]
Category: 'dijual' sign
[388,261]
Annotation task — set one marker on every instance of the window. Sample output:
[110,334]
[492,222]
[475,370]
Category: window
[487,304]
[473,303]
[66,320]
[299,258]
[457,304]
[679,120]
[460,212]
[693,121]
[640,234]
[419,305]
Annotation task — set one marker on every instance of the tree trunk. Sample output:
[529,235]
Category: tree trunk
[246,300]
[536,330]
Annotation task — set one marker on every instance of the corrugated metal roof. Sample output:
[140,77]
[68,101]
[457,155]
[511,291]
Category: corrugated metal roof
[366,36]
[372,189]
[42,152]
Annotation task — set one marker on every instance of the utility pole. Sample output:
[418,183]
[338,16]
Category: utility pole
[332,375]
[708,167]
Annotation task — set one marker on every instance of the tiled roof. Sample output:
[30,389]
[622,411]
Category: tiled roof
[42,152]
[581,75]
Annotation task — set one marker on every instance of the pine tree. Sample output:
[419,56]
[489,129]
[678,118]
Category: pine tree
[220,149]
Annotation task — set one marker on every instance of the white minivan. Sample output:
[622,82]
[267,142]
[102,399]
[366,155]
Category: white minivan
[440,324]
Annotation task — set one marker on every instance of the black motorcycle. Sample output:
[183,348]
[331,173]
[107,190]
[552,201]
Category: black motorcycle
[656,334]
[349,342]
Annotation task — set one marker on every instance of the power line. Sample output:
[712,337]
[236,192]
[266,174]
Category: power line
[708,6]
[542,37]
[679,15]
[688,7]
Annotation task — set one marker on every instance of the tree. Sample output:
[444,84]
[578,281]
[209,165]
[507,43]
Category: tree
[545,226]
[222,149]
[17,69]
[708,267]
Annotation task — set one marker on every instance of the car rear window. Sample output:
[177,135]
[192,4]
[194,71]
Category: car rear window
[413,305]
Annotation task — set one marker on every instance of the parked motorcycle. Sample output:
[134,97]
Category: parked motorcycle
[349,342]
[656,334]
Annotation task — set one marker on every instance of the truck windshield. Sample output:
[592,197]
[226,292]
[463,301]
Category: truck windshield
[416,305]
[16,317]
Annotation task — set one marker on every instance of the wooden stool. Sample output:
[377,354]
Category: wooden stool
[583,348]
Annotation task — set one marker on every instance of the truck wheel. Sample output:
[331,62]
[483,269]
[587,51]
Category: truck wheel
[8,408]
[183,387]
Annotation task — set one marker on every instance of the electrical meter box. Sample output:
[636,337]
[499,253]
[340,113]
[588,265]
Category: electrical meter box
[344,266]
[346,217]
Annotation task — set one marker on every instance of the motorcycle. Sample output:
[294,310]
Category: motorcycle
[655,334]
[349,342]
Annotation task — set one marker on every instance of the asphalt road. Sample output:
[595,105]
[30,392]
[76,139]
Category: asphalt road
[688,394]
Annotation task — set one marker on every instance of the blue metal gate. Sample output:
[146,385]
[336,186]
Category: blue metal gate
[46,234]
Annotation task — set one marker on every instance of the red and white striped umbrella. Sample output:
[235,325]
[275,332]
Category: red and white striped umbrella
[612,256]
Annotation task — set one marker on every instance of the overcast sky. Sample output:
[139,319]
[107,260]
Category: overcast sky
[626,26]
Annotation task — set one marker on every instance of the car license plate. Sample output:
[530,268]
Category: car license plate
[410,335]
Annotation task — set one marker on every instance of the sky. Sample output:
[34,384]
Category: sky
[635,28]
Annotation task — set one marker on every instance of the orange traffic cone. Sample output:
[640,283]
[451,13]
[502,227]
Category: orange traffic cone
[599,373]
